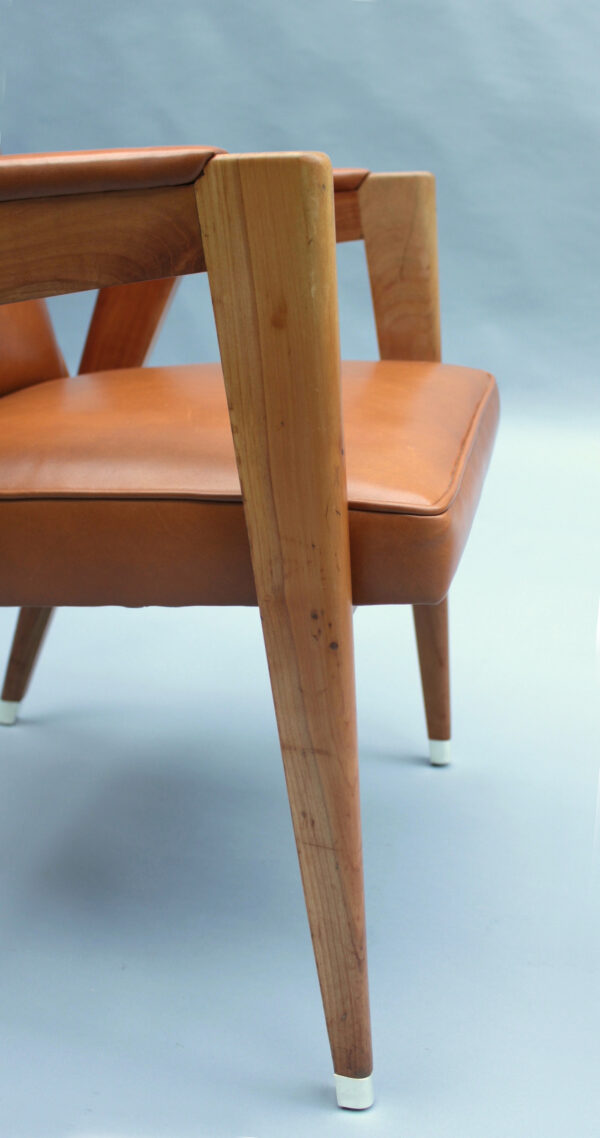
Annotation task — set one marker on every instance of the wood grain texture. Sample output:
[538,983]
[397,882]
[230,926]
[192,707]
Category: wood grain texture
[431,627]
[32,625]
[348,178]
[60,245]
[125,323]
[399,227]
[347,216]
[268,228]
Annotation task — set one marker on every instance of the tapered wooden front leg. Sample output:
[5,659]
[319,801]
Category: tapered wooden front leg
[431,627]
[268,231]
[313,688]
[31,629]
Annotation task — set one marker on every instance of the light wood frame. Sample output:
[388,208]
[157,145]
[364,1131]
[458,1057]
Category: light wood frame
[266,234]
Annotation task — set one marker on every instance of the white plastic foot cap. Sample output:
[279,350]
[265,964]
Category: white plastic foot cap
[8,712]
[354,1094]
[439,752]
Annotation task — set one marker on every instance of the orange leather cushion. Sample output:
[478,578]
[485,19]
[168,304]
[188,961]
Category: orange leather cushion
[30,352]
[92,171]
[110,485]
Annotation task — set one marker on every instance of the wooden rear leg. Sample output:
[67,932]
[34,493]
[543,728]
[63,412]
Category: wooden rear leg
[431,627]
[29,636]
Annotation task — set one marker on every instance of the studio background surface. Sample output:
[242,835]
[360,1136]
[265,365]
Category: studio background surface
[157,974]
[501,100]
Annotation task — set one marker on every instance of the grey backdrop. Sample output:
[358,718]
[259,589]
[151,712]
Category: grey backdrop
[499,98]
[156,977]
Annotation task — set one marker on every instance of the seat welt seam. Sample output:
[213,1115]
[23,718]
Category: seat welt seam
[436,509]
[444,502]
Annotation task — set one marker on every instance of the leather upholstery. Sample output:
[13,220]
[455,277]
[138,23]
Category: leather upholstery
[121,487]
[29,352]
[91,171]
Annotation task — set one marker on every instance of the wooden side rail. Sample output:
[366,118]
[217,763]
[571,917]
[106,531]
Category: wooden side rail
[48,245]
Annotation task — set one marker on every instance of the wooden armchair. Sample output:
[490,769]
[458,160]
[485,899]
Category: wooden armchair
[122,485]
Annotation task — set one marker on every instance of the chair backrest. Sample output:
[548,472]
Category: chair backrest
[394,213]
[75,222]
[29,352]
[126,318]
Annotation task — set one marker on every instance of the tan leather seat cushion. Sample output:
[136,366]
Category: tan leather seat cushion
[29,350]
[121,487]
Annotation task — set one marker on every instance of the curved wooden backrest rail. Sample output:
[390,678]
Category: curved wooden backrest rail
[68,244]
[150,233]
